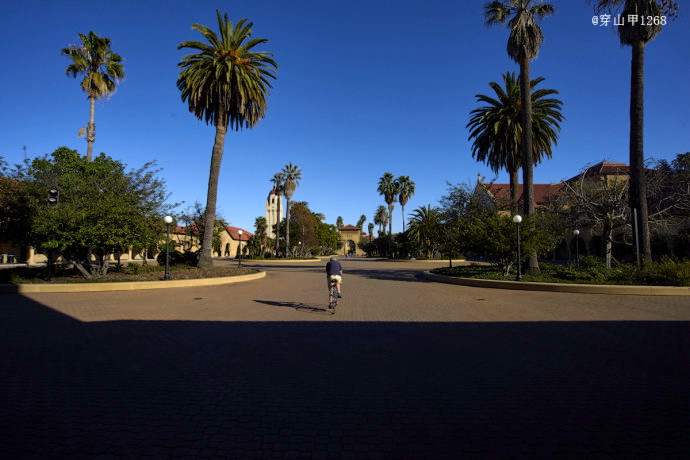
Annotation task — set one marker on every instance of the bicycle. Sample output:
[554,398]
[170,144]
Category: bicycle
[334,296]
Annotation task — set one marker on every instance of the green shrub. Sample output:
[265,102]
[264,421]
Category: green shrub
[666,272]
[176,257]
[191,258]
[132,268]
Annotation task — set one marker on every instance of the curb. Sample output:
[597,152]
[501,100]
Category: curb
[561,287]
[125,285]
[278,261]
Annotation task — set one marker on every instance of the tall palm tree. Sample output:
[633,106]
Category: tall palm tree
[405,191]
[637,36]
[381,218]
[389,189]
[102,70]
[278,183]
[524,42]
[497,131]
[424,228]
[292,175]
[225,83]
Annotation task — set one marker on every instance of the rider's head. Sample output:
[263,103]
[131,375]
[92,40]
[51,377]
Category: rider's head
[333,258]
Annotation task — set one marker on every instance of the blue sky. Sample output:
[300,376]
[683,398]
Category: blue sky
[364,87]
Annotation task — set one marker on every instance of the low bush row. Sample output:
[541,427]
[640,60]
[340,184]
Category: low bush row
[665,272]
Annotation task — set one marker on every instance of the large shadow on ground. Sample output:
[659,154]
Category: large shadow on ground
[319,389]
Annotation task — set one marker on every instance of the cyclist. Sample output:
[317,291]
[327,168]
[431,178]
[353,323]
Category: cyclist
[334,271]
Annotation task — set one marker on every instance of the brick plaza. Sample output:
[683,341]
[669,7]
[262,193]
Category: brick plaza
[406,368]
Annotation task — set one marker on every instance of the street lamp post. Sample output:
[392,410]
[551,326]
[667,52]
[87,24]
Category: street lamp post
[576,233]
[168,221]
[517,219]
[239,260]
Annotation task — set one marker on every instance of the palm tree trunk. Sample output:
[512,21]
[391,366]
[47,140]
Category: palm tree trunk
[527,164]
[402,207]
[514,185]
[638,182]
[390,231]
[287,232]
[206,257]
[90,129]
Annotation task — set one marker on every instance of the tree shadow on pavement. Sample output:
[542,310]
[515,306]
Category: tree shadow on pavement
[317,389]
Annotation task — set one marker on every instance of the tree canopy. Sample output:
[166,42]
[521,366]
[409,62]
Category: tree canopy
[99,207]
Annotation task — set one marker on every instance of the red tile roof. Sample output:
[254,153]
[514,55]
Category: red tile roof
[348,228]
[182,230]
[542,192]
[232,231]
[236,236]
[604,168]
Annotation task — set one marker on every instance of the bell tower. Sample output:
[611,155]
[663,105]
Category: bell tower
[274,212]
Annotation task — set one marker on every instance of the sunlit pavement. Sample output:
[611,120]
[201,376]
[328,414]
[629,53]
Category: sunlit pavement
[406,368]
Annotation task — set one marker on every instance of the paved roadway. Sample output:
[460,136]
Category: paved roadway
[406,368]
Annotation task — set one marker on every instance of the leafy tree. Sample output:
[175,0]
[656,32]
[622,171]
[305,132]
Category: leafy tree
[327,235]
[497,131]
[13,209]
[405,191]
[339,222]
[195,228]
[455,206]
[291,175]
[303,226]
[524,42]
[101,209]
[193,220]
[388,187]
[360,222]
[225,83]
[102,70]
[637,35]
[449,236]
[493,235]
[458,202]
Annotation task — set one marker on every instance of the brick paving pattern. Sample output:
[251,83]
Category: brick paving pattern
[406,368]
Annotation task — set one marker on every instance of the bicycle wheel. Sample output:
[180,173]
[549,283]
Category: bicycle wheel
[334,297]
